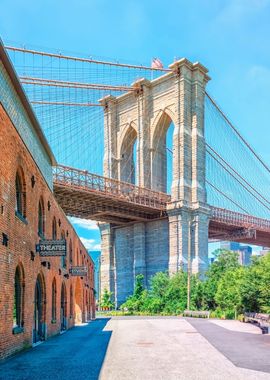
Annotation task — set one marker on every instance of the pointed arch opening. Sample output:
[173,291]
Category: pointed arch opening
[20,187]
[41,218]
[39,309]
[162,155]
[63,310]
[54,298]
[71,306]
[128,156]
[18,305]
[70,252]
[63,258]
[54,229]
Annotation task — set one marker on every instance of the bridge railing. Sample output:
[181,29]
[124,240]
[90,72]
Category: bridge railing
[84,180]
[237,219]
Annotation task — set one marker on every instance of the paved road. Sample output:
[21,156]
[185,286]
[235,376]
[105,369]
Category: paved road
[77,354]
[243,349]
[144,349]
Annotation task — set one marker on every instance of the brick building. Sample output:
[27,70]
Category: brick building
[39,297]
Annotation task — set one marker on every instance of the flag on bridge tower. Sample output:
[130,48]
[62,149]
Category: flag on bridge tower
[156,63]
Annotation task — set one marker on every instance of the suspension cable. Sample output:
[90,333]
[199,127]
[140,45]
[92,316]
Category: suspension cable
[239,175]
[60,83]
[66,104]
[224,167]
[237,132]
[53,55]
[226,196]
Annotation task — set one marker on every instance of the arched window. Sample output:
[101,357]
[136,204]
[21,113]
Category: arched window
[20,206]
[63,258]
[63,307]
[54,229]
[70,252]
[54,298]
[41,218]
[18,309]
[71,302]
[39,309]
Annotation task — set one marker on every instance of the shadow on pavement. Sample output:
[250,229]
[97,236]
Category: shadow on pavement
[243,349]
[79,353]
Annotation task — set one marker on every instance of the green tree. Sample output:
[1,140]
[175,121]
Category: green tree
[176,293]
[225,261]
[255,290]
[228,296]
[134,302]
[156,298]
[106,302]
[139,286]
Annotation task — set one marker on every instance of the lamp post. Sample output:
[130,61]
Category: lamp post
[191,225]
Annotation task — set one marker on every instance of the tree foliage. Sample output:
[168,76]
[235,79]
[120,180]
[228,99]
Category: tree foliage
[106,301]
[227,289]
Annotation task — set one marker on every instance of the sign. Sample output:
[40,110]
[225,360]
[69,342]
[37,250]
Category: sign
[78,271]
[51,248]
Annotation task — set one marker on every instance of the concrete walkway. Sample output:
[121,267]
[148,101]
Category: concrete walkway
[146,348]
[172,348]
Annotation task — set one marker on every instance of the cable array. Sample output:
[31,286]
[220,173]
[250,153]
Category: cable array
[65,92]
[237,178]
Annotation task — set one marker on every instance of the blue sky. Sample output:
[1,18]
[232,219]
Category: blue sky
[230,37]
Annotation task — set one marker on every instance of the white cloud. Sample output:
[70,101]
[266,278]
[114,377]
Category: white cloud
[90,244]
[86,224]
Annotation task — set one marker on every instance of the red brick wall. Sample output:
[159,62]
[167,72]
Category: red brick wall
[22,239]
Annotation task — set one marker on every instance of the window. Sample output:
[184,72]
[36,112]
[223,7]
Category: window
[20,206]
[54,298]
[71,302]
[41,218]
[54,229]
[63,258]
[18,301]
[70,252]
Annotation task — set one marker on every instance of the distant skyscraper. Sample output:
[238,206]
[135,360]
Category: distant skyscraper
[95,255]
[244,251]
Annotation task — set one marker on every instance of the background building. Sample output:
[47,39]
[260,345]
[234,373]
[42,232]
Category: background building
[244,251]
[95,255]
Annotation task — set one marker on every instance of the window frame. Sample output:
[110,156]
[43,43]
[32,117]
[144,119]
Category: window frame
[41,218]
[18,301]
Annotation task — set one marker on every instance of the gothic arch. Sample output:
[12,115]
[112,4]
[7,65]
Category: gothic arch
[127,166]
[158,119]
[159,164]
[19,297]
[39,308]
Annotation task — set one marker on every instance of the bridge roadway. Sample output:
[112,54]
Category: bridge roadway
[90,196]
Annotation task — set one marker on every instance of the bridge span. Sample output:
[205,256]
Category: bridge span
[158,129]
[86,195]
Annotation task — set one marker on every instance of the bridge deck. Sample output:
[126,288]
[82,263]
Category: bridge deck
[90,196]
[86,195]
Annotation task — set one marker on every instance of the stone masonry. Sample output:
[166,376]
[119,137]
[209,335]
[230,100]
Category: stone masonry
[146,114]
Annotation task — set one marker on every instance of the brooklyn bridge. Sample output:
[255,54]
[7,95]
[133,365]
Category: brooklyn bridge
[147,153]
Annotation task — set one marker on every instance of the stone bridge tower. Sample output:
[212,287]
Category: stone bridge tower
[144,116]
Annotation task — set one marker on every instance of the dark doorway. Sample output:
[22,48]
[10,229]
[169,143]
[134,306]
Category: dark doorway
[63,310]
[39,311]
